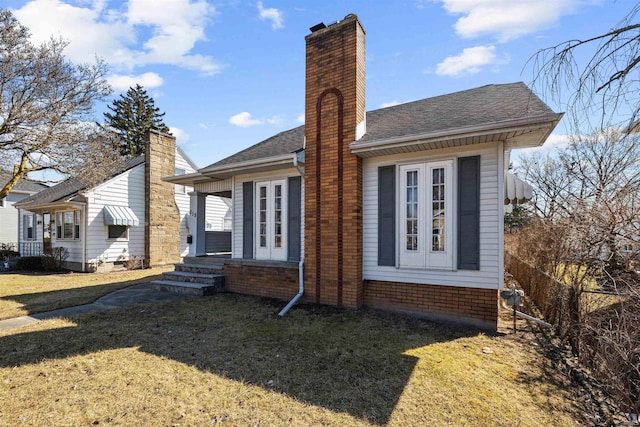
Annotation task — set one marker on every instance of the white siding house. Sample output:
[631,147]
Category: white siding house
[103,226]
[17,227]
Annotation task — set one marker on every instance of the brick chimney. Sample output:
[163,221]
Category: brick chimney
[335,108]
[161,214]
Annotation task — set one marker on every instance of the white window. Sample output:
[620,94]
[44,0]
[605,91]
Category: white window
[180,189]
[271,224]
[117,232]
[426,217]
[68,225]
[29,226]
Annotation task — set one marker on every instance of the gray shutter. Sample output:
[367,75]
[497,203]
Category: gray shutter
[387,215]
[469,213]
[247,220]
[294,220]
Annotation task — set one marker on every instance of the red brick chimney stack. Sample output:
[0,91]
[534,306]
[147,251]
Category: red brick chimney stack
[335,108]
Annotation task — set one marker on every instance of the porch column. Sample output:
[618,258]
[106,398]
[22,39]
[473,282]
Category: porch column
[197,223]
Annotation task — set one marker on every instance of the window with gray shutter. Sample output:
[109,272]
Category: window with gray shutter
[469,213]
[294,218]
[247,220]
[387,215]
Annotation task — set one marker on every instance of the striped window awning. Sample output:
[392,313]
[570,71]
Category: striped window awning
[516,191]
[120,215]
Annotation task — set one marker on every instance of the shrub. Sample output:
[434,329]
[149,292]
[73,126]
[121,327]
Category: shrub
[8,251]
[29,263]
[54,261]
[134,263]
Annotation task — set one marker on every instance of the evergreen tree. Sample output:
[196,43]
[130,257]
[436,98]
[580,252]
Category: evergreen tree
[132,115]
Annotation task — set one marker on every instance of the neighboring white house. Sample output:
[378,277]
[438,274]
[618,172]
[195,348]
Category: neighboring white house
[103,226]
[12,224]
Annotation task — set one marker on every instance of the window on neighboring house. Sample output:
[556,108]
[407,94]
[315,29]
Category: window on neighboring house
[117,232]
[68,225]
[29,226]
[426,232]
[180,189]
[271,224]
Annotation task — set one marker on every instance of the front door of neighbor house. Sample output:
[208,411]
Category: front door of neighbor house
[271,222]
[46,232]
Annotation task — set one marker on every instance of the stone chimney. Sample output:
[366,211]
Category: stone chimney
[161,215]
[334,117]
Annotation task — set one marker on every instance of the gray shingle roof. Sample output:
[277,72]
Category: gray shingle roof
[73,186]
[285,142]
[22,185]
[480,106]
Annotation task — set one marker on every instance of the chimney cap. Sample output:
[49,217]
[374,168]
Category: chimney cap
[317,27]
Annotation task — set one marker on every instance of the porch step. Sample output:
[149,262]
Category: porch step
[206,260]
[187,288]
[200,268]
[191,277]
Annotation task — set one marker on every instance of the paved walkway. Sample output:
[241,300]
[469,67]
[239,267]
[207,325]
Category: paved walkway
[138,294]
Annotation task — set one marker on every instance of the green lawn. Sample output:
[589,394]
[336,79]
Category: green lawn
[230,360]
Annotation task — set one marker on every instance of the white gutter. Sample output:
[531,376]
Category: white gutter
[300,291]
[549,121]
[246,165]
[297,165]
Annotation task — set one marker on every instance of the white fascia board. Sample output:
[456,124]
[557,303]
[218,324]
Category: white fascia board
[224,171]
[550,120]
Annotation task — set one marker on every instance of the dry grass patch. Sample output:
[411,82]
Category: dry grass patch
[229,360]
[22,294]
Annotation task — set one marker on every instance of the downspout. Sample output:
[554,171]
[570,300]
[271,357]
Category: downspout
[84,238]
[300,291]
[526,316]
[301,263]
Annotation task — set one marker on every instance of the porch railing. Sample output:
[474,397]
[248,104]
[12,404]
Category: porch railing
[24,248]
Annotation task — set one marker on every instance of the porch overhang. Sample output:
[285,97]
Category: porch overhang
[515,133]
[265,164]
[50,207]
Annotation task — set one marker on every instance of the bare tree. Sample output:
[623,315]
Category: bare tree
[605,91]
[594,183]
[45,106]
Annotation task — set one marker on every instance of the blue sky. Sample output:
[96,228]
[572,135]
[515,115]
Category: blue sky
[229,74]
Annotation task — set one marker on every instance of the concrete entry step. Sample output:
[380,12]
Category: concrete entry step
[188,276]
[200,268]
[187,288]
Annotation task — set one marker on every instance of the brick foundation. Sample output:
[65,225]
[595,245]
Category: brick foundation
[473,306]
[263,278]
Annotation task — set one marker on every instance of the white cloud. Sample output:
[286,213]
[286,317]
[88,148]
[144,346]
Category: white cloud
[121,82]
[553,143]
[300,118]
[470,61]
[181,136]
[271,14]
[244,120]
[138,33]
[508,19]
[390,104]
